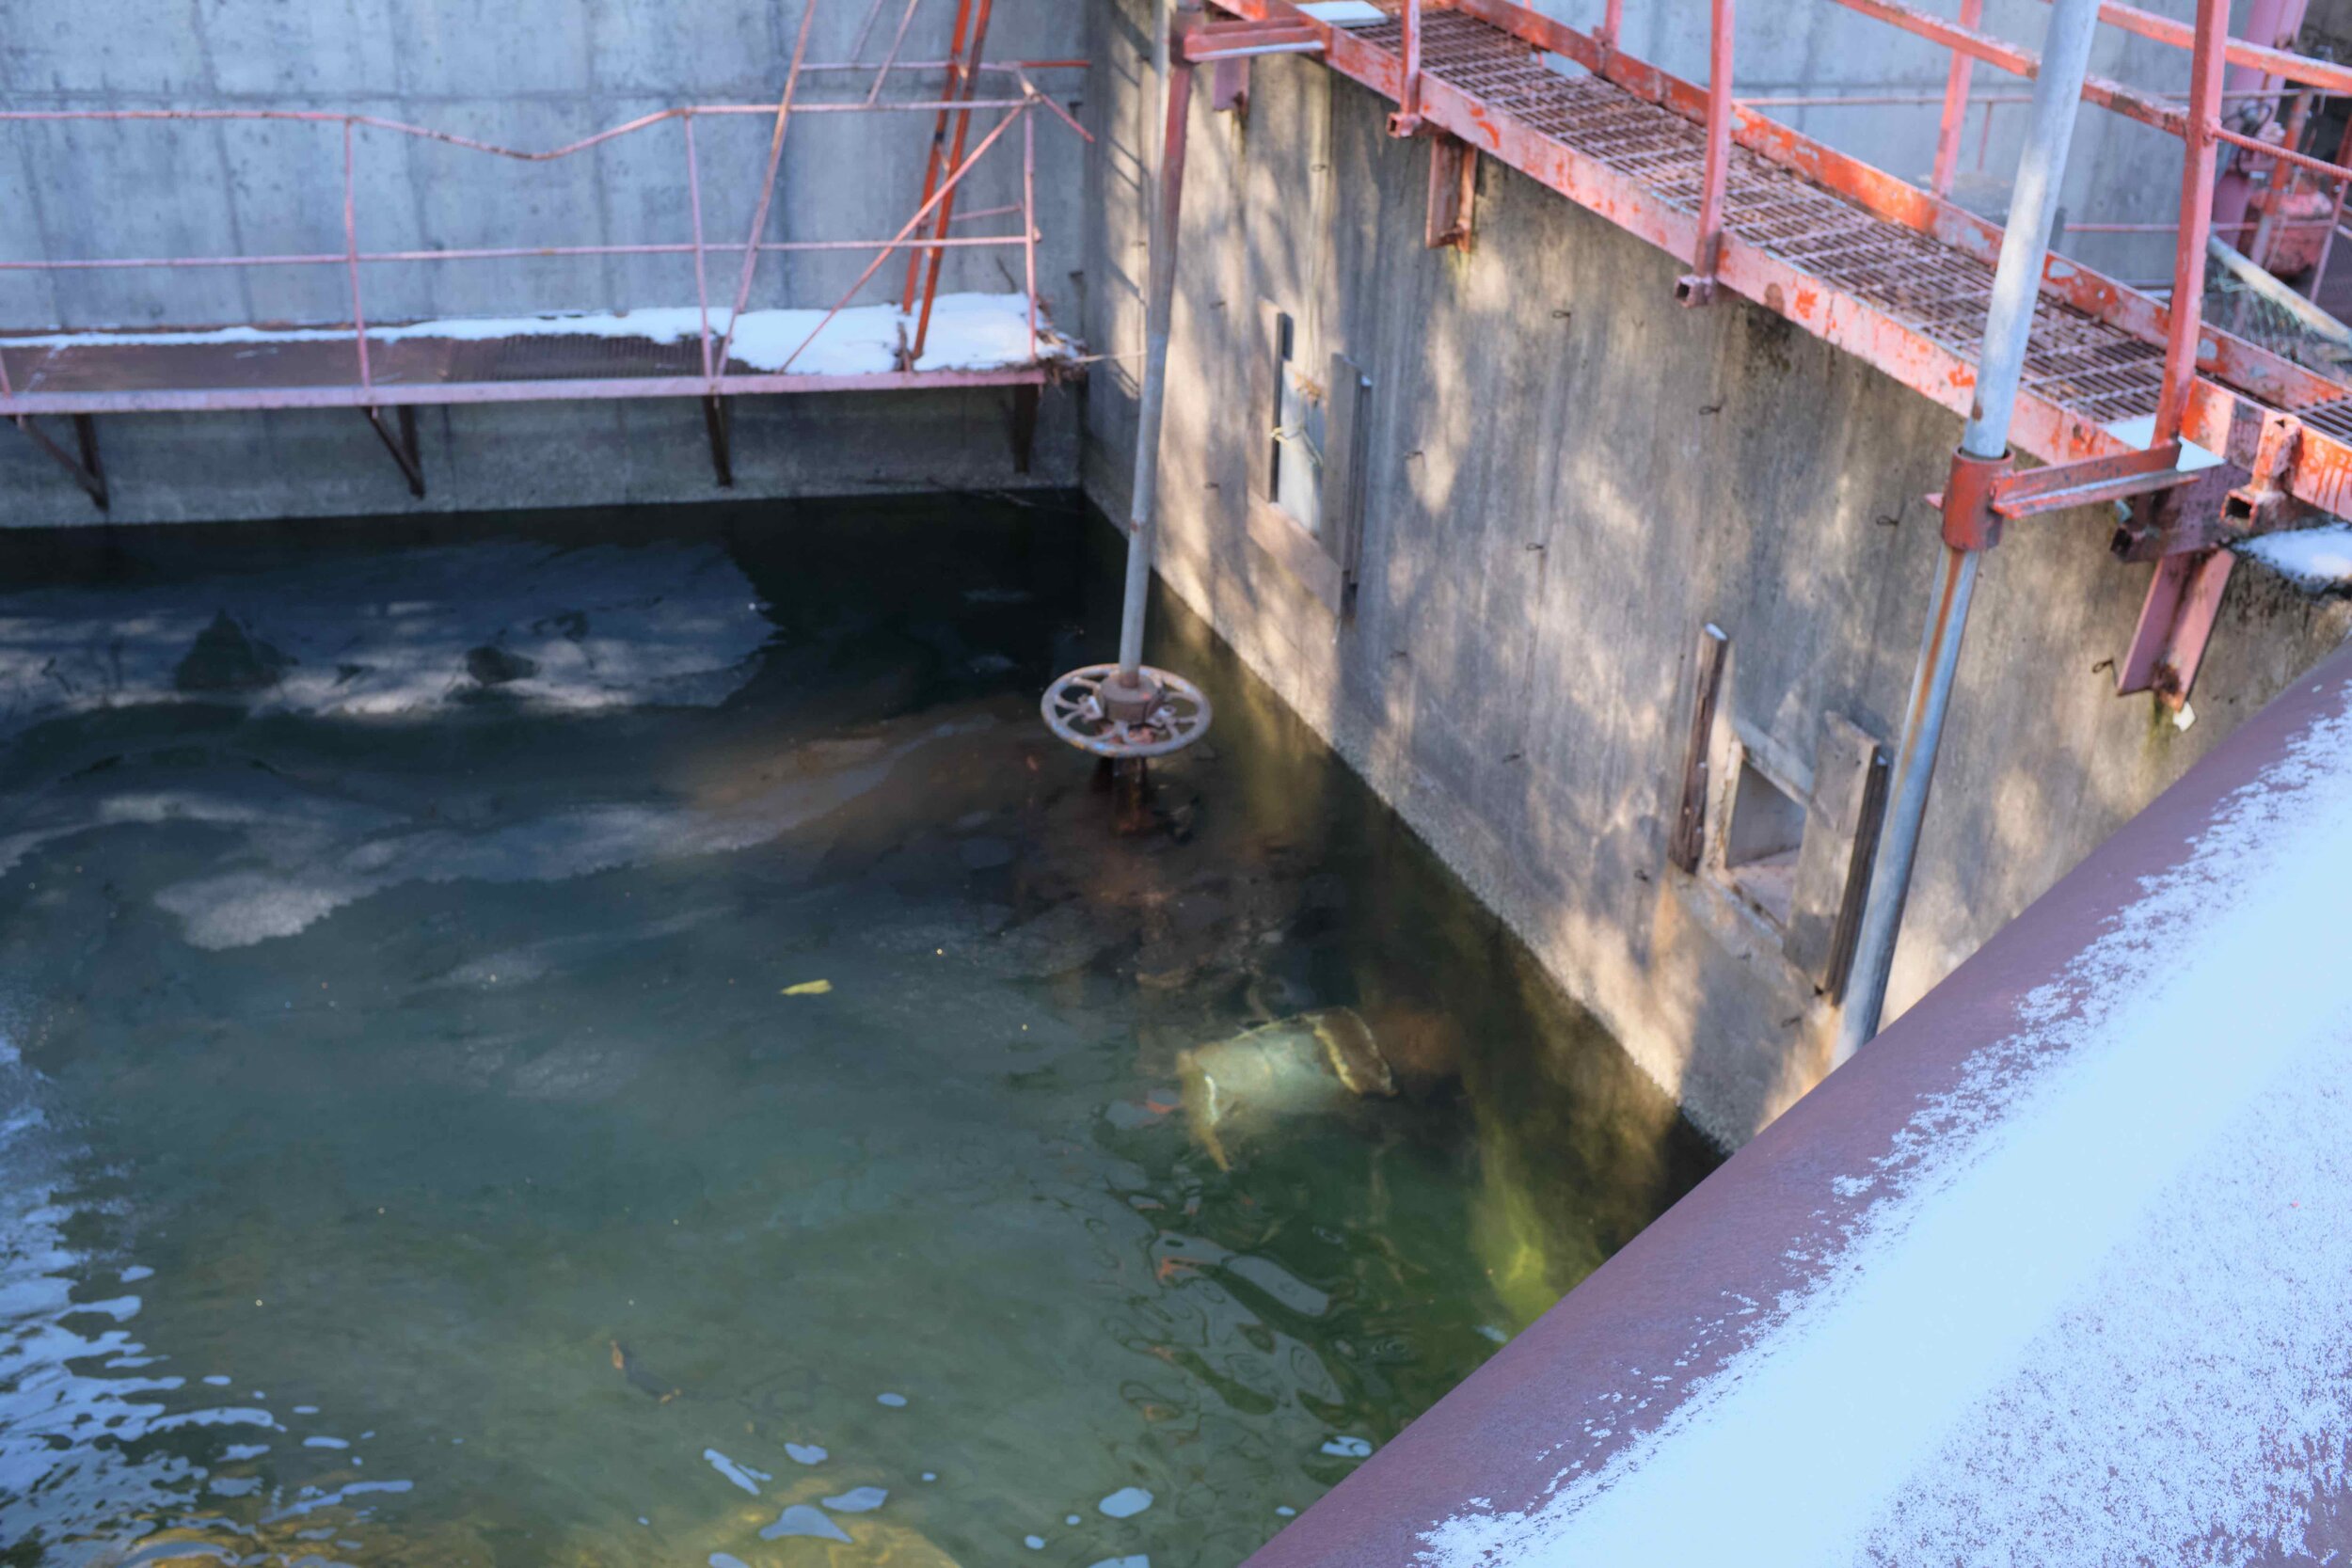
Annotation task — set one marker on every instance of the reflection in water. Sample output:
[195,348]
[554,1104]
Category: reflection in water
[615,1038]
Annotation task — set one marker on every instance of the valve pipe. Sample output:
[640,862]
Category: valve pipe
[1151,405]
[2008,324]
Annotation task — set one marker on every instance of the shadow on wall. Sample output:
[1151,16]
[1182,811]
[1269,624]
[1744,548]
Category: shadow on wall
[1567,475]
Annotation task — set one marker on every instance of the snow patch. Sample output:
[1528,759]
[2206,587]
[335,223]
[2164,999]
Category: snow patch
[2315,557]
[968,332]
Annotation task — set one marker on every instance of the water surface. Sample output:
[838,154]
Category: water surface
[616,1038]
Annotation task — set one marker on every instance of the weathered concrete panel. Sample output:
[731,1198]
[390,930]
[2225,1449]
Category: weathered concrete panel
[326,463]
[1569,474]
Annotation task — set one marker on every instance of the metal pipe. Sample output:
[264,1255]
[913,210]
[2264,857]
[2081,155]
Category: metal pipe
[393,393]
[921,215]
[501,253]
[1409,105]
[1955,105]
[694,202]
[947,207]
[2008,324]
[1716,171]
[1028,219]
[889,59]
[931,166]
[2184,328]
[2327,76]
[1150,404]
[768,188]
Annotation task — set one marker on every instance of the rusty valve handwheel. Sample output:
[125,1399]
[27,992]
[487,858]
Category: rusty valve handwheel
[1173,713]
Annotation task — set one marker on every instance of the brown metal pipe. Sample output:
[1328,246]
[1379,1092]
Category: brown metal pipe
[947,207]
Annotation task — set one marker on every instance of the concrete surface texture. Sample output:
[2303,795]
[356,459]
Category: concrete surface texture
[527,76]
[2054,1275]
[1567,475]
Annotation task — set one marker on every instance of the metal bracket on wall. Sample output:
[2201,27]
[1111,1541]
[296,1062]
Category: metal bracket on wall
[718,424]
[88,472]
[1228,87]
[2180,517]
[1453,194]
[2175,623]
[403,447]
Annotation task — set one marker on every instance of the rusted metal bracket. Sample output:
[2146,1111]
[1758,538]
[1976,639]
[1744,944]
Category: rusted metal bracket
[2175,624]
[2178,519]
[718,424]
[2184,518]
[1453,194]
[1228,87]
[1697,288]
[403,447]
[1983,495]
[88,472]
[2264,502]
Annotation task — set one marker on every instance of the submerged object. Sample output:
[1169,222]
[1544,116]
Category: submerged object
[1315,1062]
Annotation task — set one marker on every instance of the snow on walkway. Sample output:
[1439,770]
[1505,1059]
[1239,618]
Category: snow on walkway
[968,332]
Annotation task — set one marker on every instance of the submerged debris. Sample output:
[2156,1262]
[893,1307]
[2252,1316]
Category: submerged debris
[1316,1061]
[226,657]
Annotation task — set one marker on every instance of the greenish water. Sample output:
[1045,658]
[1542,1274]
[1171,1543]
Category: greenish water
[425,1137]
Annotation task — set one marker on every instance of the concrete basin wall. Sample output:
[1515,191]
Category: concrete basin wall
[1565,477]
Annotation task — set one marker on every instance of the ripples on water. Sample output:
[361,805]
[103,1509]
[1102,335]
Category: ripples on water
[615,1038]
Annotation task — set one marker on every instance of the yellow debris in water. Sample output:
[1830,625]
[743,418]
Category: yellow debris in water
[810,987]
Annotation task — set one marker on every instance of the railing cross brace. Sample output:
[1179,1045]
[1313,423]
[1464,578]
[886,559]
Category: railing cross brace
[403,446]
[719,424]
[87,470]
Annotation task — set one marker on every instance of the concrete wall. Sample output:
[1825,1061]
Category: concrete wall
[1567,476]
[525,74]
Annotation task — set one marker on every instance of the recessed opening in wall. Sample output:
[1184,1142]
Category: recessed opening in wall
[1760,846]
[1299,437]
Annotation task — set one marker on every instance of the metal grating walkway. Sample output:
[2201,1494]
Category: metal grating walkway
[2100,373]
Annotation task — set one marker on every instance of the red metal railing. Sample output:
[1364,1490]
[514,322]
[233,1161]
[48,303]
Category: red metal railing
[1014,103]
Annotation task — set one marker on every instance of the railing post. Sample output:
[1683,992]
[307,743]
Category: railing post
[1956,81]
[1698,287]
[351,259]
[768,189]
[1611,28]
[694,205]
[1983,448]
[1407,120]
[1028,217]
[1151,398]
[2206,62]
